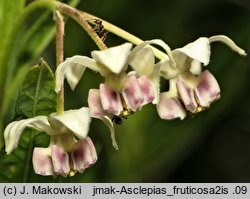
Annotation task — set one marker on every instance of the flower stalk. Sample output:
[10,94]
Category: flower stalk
[59,57]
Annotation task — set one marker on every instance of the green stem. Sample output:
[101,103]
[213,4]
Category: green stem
[29,156]
[59,57]
[122,33]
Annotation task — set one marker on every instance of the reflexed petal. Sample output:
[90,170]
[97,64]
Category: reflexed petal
[187,95]
[132,93]
[72,69]
[226,40]
[143,61]
[207,89]
[198,50]
[13,131]
[42,163]
[110,99]
[110,124]
[60,160]
[106,119]
[83,154]
[147,89]
[169,107]
[75,121]
[114,58]
[94,102]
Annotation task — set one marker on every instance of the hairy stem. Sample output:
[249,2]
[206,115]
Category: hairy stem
[59,57]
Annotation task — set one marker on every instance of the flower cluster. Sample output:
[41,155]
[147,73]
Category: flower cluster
[190,89]
[132,80]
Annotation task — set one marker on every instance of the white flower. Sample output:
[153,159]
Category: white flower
[190,89]
[196,89]
[122,94]
[70,149]
[142,61]
[188,93]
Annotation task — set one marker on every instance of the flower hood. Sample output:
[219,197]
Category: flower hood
[74,122]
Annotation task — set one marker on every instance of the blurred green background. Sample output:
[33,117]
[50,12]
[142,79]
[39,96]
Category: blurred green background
[213,146]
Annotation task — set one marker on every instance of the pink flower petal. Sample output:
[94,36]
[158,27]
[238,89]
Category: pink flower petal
[60,160]
[170,107]
[133,94]
[207,90]
[147,89]
[83,154]
[95,104]
[110,99]
[42,162]
[187,95]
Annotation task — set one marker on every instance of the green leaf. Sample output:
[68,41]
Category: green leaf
[9,10]
[36,95]
[36,36]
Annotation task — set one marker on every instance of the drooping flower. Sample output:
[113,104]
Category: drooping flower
[70,149]
[143,61]
[191,89]
[121,95]
[196,89]
[188,93]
